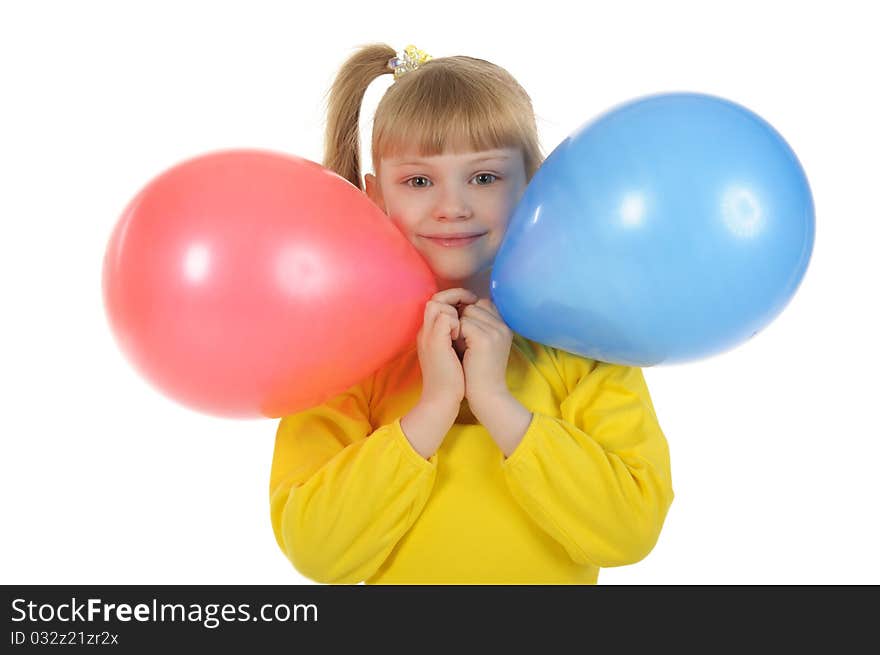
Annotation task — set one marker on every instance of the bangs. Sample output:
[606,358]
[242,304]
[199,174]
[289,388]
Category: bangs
[456,128]
[482,115]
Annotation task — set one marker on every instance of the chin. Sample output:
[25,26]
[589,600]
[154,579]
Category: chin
[453,275]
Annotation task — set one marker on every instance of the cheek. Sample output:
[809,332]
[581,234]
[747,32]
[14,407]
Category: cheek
[495,244]
[503,215]
[406,227]
[403,214]
[402,224]
[500,225]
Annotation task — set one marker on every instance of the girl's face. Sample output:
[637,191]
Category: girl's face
[454,208]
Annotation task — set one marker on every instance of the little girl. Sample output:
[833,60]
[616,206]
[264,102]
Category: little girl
[476,456]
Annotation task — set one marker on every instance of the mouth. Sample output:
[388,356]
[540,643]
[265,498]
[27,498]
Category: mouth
[454,240]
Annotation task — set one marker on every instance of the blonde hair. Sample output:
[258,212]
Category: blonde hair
[449,103]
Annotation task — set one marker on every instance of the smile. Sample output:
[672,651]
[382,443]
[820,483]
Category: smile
[454,242]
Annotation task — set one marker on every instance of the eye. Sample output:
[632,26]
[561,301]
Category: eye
[487,178]
[418,182]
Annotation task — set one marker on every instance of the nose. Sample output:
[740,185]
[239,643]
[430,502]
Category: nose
[452,205]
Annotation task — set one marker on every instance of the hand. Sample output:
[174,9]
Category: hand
[488,341]
[442,374]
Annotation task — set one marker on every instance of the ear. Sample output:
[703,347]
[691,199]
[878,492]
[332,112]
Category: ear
[373,191]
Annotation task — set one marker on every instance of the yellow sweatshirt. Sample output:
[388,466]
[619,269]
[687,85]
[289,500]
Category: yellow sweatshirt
[588,486]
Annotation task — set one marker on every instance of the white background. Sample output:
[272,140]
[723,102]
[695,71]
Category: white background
[775,445]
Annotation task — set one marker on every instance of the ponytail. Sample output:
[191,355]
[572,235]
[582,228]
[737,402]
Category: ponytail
[342,136]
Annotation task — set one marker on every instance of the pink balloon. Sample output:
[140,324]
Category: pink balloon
[248,284]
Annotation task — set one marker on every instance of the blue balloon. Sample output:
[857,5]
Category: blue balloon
[669,229]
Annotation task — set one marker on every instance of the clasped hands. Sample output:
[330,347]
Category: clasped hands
[457,322]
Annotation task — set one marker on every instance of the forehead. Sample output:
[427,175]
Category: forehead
[454,159]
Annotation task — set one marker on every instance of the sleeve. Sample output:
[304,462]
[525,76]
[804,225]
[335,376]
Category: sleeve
[598,478]
[342,494]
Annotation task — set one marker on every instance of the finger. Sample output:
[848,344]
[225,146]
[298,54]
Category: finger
[471,327]
[446,327]
[453,297]
[432,308]
[481,313]
[489,306]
